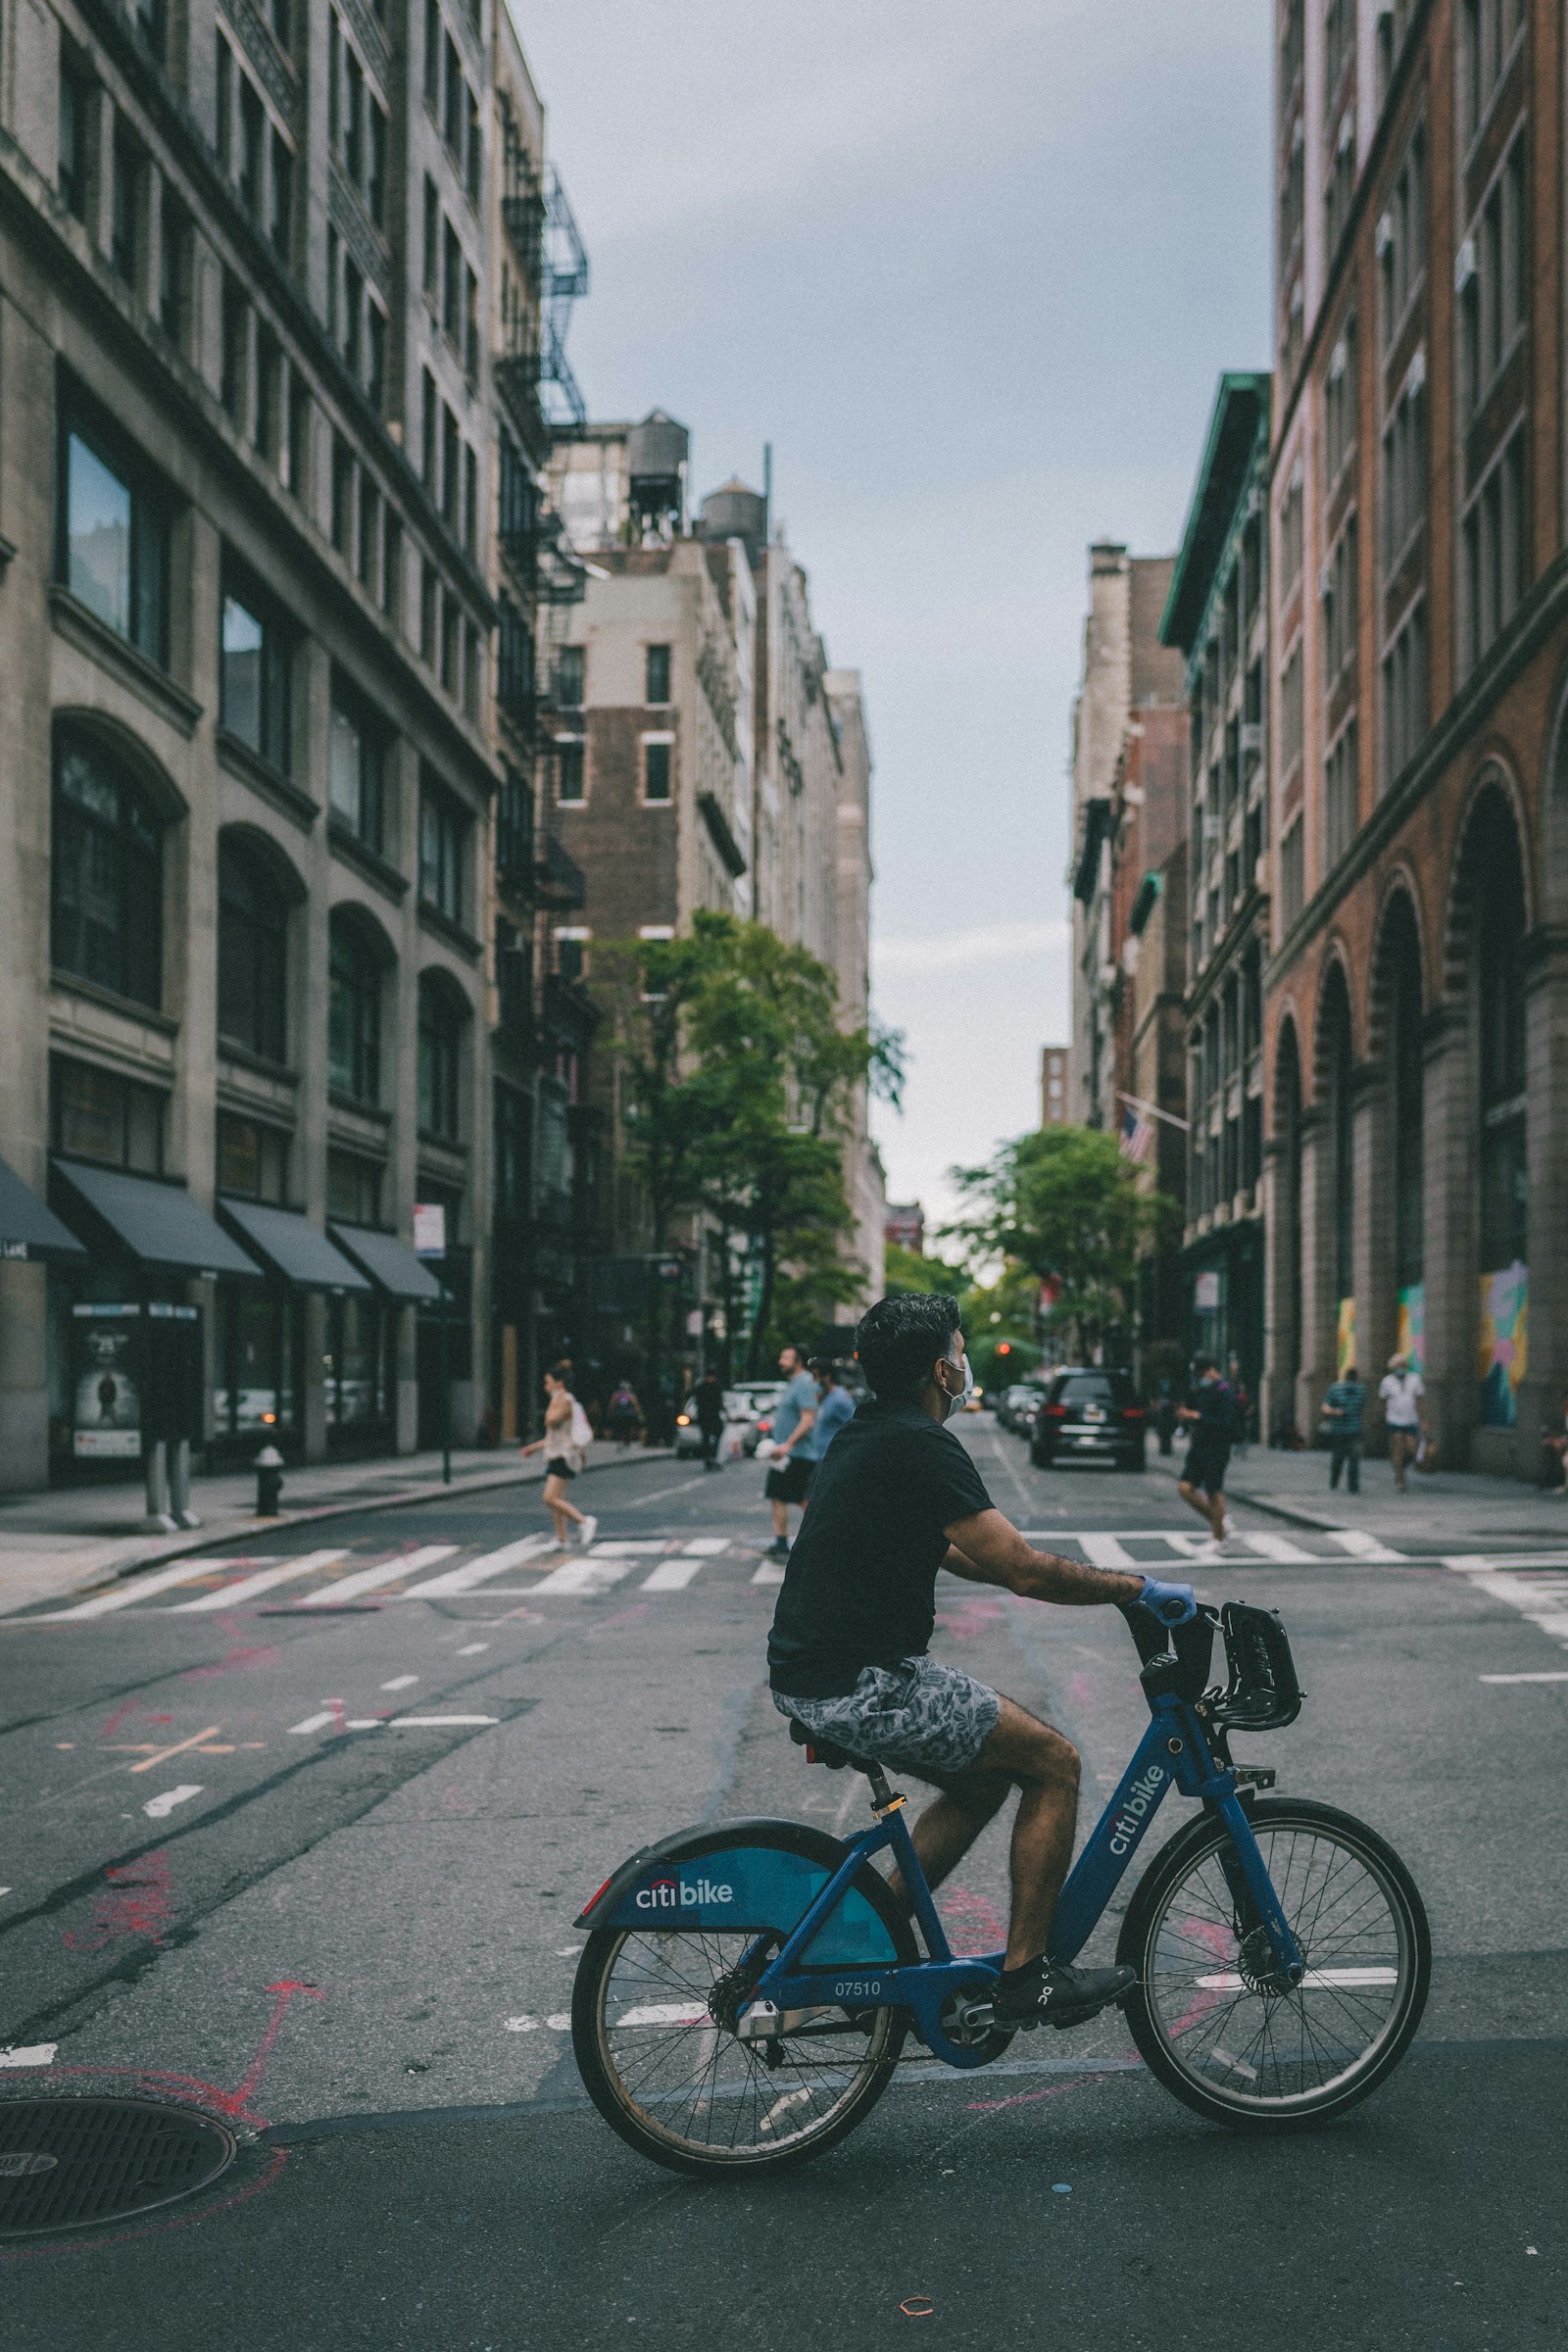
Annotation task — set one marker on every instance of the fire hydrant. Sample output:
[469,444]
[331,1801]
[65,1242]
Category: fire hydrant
[268,1483]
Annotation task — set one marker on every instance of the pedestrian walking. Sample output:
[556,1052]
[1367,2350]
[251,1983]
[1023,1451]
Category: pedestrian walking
[568,1433]
[624,1417]
[1401,1391]
[1165,1416]
[1554,1454]
[794,1456]
[706,1402]
[1342,1411]
[834,1406]
[1211,1414]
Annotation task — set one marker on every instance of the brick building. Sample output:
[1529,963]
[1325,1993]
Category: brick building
[1417,991]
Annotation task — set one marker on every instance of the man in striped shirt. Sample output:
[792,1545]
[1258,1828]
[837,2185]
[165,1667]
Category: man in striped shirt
[1342,1414]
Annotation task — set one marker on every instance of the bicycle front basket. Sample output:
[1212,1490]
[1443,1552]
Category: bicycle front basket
[1262,1693]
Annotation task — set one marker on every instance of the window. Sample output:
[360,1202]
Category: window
[470,326]
[570,784]
[432,238]
[353,117]
[97,1114]
[443,848]
[657,751]
[354,1013]
[1491,279]
[440,1061]
[471,672]
[1340,797]
[252,953]
[658,674]
[514,661]
[1402,237]
[355,764]
[514,829]
[432,53]
[1340,182]
[451,283]
[298,436]
[370,533]
[152,24]
[352,1188]
[353,320]
[235,330]
[1292,877]
[429,607]
[454,112]
[282,25]
[251,1159]
[1291,712]
[1338,39]
[76,142]
[127,169]
[375,356]
[342,497]
[392,567]
[269,379]
[571,953]
[1291,535]
[451,633]
[1404,470]
[1340,391]
[173,250]
[1494,550]
[224,106]
[252,146]
[1487,30]
[254,686]
[107,872]
[513,1172]
[476,153]
[427,430]
[471,500]
[451,465]
[1340,607]
[1292,193]
[375,164]
[334,275]
[1405,693]
[280,225]
[113,537]
[570,663]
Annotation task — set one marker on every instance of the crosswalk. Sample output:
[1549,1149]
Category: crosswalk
[531,1567]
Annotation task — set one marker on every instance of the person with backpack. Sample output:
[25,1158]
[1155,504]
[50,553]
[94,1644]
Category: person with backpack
[626,1414]
[569,1433]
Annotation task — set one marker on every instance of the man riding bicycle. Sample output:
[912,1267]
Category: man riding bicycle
[896,1499]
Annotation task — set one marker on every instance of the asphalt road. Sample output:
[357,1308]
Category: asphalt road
[308,1853]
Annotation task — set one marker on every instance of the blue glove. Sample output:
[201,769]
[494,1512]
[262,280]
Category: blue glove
[1172,1604]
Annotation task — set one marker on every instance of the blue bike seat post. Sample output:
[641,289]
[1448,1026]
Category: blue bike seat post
[889,1808]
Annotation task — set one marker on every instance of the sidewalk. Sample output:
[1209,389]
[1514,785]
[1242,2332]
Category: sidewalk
[56,1543]
[1452,1511]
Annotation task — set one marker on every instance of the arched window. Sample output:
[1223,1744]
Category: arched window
[107,872]
[354,1011]
[441,1025]
[252,952]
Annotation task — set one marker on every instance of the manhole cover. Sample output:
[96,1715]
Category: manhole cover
[66,2163]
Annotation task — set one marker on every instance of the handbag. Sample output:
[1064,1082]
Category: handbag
[583,1436]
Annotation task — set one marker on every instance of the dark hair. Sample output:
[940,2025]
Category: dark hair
[788,1348]
[562,1371]
[899,1338]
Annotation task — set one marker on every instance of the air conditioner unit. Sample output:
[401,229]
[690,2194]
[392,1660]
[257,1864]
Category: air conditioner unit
[1417,375]
[1464,265]
[1384,233]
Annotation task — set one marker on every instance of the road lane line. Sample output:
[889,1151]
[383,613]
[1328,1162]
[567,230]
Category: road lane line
[673,1576]
[1365,1547]
[1486,1678]
[706,1547]
[584,1577]
[618,1550]
[405,1723]
[1316,1979]
[31,2053]
[400,1682]
[159,1808]
[138,1587]
[312,1723]
[479,1571]
[163,1754]
[249,1587]
[376,1580]
[1106,1551]
[1279,1547]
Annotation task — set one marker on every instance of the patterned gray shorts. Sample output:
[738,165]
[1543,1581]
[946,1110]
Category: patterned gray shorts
[917,1716]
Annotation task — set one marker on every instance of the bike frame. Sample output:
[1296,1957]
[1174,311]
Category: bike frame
[1173,1753]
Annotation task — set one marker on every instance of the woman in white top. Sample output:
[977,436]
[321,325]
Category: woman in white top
[564,1446]
[1402,1391]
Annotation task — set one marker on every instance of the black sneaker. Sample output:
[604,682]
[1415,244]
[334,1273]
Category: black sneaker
[778,1550]
[1048,1993]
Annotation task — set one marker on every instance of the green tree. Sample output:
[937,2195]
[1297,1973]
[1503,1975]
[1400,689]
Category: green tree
[1064,1206]
[907,1273]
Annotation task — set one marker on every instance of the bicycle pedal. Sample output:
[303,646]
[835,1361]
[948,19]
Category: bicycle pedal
[1255,1775]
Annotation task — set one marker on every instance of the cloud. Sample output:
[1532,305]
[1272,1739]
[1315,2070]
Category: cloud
[958,950]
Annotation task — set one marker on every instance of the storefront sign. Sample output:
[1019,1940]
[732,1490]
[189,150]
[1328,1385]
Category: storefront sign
[1205,1292]
[106,1415]
[429,1229]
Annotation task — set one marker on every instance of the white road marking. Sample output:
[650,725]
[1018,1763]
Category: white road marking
[768,1572]
[1279,1547]
[560,2021]
[1364,1546]
[791,2099]
[618,1551]
[249,1587]
[377,1578]
[583,1577]
[401,1722]
[138,1587]
[1238,2066]
[364,1723]
[521,2025]
[706,1547]
[672,1576]
[1486,1678]
[482,1570]
[1543,1600]
[1180,1540]
[400,1682]
[665,2013]
[5,1890]
[568,1951]
[176,1748]
[158,1808]
[29,2053]
[470,1649]
[312,1723]
[1316,1979]
[1106,1551]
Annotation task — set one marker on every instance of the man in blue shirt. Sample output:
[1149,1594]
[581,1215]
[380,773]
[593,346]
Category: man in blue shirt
[834,1406]
[794,1456]
[1342,1406]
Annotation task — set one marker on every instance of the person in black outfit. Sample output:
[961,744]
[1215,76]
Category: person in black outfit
[708,1412]
[1211,1414]
[897,1498]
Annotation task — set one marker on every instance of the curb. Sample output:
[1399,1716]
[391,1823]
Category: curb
[1276,1510]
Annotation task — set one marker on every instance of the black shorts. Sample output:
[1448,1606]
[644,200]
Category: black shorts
[1206,1460]
[558,1466]
[792,1481]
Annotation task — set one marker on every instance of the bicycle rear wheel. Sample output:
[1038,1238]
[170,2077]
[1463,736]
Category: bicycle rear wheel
[652,2018]
[1207,2016]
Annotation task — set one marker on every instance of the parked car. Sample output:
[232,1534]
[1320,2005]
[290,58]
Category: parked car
[1015,1406]
[752,1401]
[1088,1415]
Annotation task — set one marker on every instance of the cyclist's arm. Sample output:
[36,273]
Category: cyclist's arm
[987,1549]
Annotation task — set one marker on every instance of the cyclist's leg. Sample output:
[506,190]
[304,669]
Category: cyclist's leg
[948,1827]
[1045,1766]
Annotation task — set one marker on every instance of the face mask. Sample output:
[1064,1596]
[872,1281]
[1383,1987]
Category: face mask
[957,1403]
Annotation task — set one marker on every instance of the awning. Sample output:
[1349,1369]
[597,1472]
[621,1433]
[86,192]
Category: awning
[292,1247]
[28,1228]
[390,1263]
[158,1224]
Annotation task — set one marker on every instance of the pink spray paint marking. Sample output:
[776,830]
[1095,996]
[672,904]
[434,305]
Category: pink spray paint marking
[139,1901]
[235,1661]
[339,1713]
[235,2101]
[1028,2098]
[132,1707]
[1223,1948]
[971,1921]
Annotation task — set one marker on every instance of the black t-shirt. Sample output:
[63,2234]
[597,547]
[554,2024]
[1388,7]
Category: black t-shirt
[860,1588]
[1211,1401]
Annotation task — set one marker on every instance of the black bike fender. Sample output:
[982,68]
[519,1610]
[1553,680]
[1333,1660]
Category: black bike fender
[690,1846]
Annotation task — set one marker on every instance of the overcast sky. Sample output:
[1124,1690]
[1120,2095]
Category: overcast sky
[974,273]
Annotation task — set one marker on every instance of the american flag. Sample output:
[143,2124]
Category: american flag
[1137,1131]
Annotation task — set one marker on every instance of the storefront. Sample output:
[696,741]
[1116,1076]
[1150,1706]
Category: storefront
[363,1340]
[1223,1280]
[266,1345]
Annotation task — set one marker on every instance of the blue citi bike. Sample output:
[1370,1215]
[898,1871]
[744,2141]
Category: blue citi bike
[747,1989]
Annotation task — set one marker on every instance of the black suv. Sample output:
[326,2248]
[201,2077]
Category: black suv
[1088,1416]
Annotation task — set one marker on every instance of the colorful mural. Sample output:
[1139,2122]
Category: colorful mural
[1410,1326]
[1503,1352]
[1345,1339]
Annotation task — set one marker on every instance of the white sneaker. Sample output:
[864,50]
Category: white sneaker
[1209,1551]
[1229,1528]
[587,1531]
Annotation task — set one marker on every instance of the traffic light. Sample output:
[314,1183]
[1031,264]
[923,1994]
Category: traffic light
[1004,1347]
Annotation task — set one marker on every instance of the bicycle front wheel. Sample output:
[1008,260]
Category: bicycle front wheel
[1208,2016]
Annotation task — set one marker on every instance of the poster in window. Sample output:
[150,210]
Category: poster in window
[106,1420]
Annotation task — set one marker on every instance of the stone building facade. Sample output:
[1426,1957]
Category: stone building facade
[244,488]
[1417,1084]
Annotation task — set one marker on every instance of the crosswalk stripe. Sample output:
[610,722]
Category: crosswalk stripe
[1364,1546]
[672,1576]
[1279,1547]
[584,1577]
[249,1587]
[377,1578]
[1106,1551]
[479,1571]
[138,1588]
[768,1572]
[619,1551]
[706,1547]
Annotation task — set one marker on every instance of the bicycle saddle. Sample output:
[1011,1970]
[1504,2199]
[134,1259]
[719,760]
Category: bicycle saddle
[823,1751]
